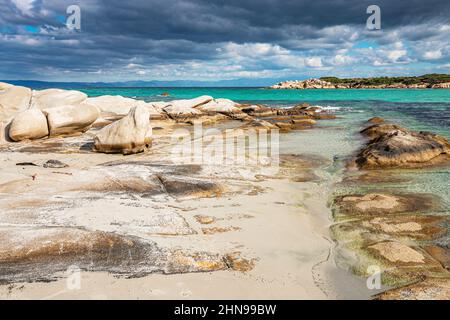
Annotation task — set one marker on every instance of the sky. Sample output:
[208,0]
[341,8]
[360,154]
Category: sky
[209,40]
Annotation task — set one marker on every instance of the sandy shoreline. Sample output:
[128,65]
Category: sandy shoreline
[286,231]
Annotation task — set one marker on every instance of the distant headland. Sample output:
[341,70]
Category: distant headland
[428,81]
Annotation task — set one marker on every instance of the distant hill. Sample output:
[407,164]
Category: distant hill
[430,79]
[435,81]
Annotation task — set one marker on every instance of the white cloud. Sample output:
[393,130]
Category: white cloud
[341,59]
[394,55]
[25,6]
[432,55]
[314,62]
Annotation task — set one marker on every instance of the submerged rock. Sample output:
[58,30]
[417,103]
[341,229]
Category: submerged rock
[131,134]
[396,252]
[29,125]
[70,119]
[400,149]
[379,204]
[437,288]
[376,120]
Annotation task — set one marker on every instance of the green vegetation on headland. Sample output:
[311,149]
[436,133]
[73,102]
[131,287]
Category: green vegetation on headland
[435,81]
[431,79]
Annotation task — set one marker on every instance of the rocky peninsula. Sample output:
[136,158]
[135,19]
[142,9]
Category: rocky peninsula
[104,184]
[430,81]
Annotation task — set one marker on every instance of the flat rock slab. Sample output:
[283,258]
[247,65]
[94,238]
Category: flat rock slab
[39,254]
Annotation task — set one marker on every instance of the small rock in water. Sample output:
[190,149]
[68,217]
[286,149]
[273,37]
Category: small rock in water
[55,164]
[376,120]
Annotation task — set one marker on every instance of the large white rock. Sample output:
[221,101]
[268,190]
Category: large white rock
[129,135]
[70,119]
[183,108]
[191,103]
[13,100]
[51,98]
[30,124]
[224,106]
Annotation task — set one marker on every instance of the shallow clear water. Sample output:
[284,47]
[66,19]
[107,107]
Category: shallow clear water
[427,110]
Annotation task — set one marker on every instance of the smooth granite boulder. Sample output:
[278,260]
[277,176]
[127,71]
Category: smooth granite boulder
[13,100]
[70,119]
[28,125]
[51,98]
[129,135]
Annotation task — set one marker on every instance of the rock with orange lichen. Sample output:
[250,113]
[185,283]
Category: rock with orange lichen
[205,219]
[210,231]
[235,262]
[41,254]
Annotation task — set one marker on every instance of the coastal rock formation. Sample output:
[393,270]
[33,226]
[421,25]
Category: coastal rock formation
[30,124]
[445,85]
[131,134]
[13,99]
[436,81]
[51,98]
[306,84]
[403,149]
[70,119]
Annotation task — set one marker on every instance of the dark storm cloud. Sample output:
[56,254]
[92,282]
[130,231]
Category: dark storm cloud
[152,32]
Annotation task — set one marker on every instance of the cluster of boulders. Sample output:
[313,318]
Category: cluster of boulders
[392,146]
[27,114]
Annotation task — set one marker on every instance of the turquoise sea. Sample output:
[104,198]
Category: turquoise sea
[415,109]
